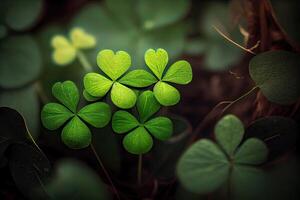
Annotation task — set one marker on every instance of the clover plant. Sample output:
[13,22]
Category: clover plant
[205,166]
[138,140]
[66,50]
[75,133]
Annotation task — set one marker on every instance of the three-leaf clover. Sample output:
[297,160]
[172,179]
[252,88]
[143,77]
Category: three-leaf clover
[138,140]
[180,73]
[205,166]
[114,65]
[66,50]
[75,133]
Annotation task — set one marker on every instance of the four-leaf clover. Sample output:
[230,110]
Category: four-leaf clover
[205,166]
[65,50]
[114,65]
[180,73]
[138,140]
[75,133]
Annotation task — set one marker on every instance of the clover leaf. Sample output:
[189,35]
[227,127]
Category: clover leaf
[139,140]
[114,65]
[75,133]
[66,50]
[180,72]
[205,166]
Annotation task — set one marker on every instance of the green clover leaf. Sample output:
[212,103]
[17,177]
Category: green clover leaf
[114,65]
[180,73]
[138,140]
[75,134]
[205,166]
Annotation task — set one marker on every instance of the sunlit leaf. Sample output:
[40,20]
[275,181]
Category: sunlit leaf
[123,121]
[97,114]
[180,72]
[64,52]
[113,64]
[138,78]
[166,94]
[96,84]
[81,39]
[157,61]
[122,96]
[138,141]
[89,97]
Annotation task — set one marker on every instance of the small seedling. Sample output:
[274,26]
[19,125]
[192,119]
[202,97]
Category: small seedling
[138,140]
[205,166]
[75,133]
[66,50]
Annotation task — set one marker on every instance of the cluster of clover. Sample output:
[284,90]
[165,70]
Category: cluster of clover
[129,91]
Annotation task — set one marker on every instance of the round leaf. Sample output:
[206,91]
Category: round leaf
[138,78]
[67,93]
[29,168]
[156,13]
[122,96]
[138,141]
[123,121]
[160,127]
[20,15]
[96,84]
[76,135]
[203,167]
[253,152]
[89,97]
[97,114]
[166,94]
[229,133]
[74,180]
[157,61]
[113,65]
[54,115]
[147,105]
[180,72]
[277,74]
[20,61]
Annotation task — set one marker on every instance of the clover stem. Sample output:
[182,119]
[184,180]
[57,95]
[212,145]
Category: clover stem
[140,167]
[105,171]
[238,99]
[84,62]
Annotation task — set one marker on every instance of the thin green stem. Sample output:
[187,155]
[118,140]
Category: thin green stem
[238,99]
[105,171]
[140,167]
[84,61]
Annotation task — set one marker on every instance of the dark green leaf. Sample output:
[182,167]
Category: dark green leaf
[277,74]
[123,121]
[160,127]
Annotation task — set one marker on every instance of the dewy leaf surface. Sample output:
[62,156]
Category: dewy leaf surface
[253,152]
[122,96]
[67,93]
[76,135]
[166,94]
[203,167]
[97,114]
[96,84]
[157,61]
[113,65]
[54,115]
[147,105]
[180,72]
[277,74]
[229,133]
[160,127]
[138,78]
[138,141]
[123,121]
